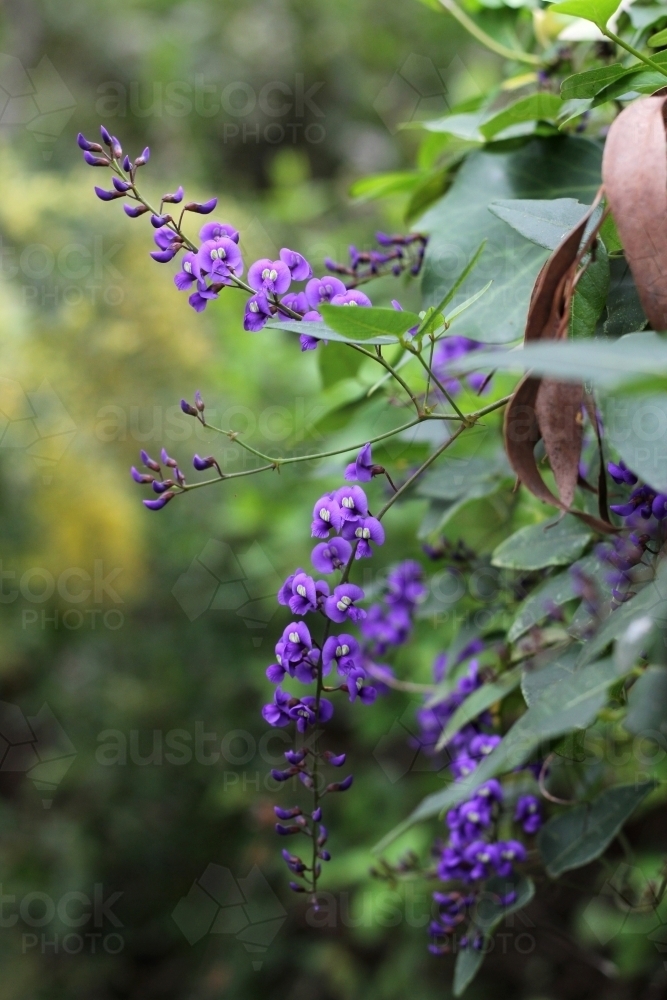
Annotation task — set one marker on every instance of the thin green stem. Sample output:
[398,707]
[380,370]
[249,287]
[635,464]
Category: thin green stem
[385,364]
[439,384]
[632,50]
[487,40]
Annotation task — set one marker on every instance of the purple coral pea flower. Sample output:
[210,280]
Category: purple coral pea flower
[161,501]
[361,470]
[330,556]
[149,462]
[343,651]
[199,300]
[257,313]
[326,515]
[507,852]
[659,506]
[140,477]
[95,161]
[297,642]
[527,813]
[481,857]
[277,713]
[175,197]
[135,212]
[322,290]
[215,230]
[353,297]
[308,342]
[352,503]
[105,195]
[365,531]
[492,791]
[189,272]
[285,591]
[201,208]
[621,474]
[405,584]
[164,256]
[341,605]
[269,276]
[220,258]
[296,301]
[306,712]
[305,594]
[299,267]
[482,746]
[165,238]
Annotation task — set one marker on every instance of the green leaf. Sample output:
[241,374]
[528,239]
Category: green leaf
[463,126]
[555,542]
[476,703]
[639,81]
[607,363]
[647,703]
[582,834]
[659,39]
[624,310]
[431,320]
[338,362]
[456,482]
[612,241]
[650,602]
[562,166]
[556,590]
[360,323]
[644,17]
[542,106]
[591,81]
[468,963]
[536,681]
[591,295]
[381,185]
[321,331]
[597,11]
[544,222]
[571,703]
[636,426]
[431,187]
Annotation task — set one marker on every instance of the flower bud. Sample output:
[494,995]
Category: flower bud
[92,147]
[106,136]
[95,161]
[285,831]
[134,213]
[107,195]
[175,197]
[149,462]
[120,185]
[203,208]
[160,502]
[188,408]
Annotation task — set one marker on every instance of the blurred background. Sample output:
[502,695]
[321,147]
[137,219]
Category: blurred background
[135,810]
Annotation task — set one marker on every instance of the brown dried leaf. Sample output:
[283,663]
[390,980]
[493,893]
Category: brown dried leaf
[634,172]
[559,415]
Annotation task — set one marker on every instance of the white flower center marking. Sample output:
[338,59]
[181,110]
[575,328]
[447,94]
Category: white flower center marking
[294,637]
[325,514]
[473,817]
[187,266]
[363,533]
[301,590]
[342,650]
[253,307]
[344,603]
[348,502]
[483,857]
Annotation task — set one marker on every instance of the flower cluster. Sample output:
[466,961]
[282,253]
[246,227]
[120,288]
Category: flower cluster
[217,261]
[473,851]
[399,253]
[451,349]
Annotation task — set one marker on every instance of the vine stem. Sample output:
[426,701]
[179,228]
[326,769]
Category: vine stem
[478,33]
[631,49]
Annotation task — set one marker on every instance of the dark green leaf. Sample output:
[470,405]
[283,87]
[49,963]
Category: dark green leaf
[338,362]
[636,427]
[582,834]
[639,81]
[571,703]
[544,222]
[624,310]
[591,295]
[535,107]
[535,681]
[322,331]
[543,168]
[553,542]
[647,703]
[556,590]
[650,602]
[478,702]
[659,39]
[591,82]
[431,187]
[468,963]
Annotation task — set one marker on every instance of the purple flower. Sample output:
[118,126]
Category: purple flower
[299,267]
[305,594]
[343,651]
[482,746]
[201,208]
[621,474]
[214,230]
[659,506]
[352,503]
[353,297]
[491,791]
[326,515]
[161,501]
[448,350]
[507,852]
[199,300]
[482,858]
[189,272]
[462,766]
[340,606]
[276,713]
[166,238]
[257,313]
[220,258]
[296,301]
[386,628]
[365,531]
[527,813]
[361,469]
[305,712]
[405,584]
[269,276]
[330,556]
[451,865]
[322,290]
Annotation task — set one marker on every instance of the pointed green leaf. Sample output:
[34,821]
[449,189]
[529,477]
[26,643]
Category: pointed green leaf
[544,222]
[361,323]
[592,81]
[554,542]
[557,590]
[659,39]
[535,107]
[647,704]
[582,834]
[478,702]
[597,11]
